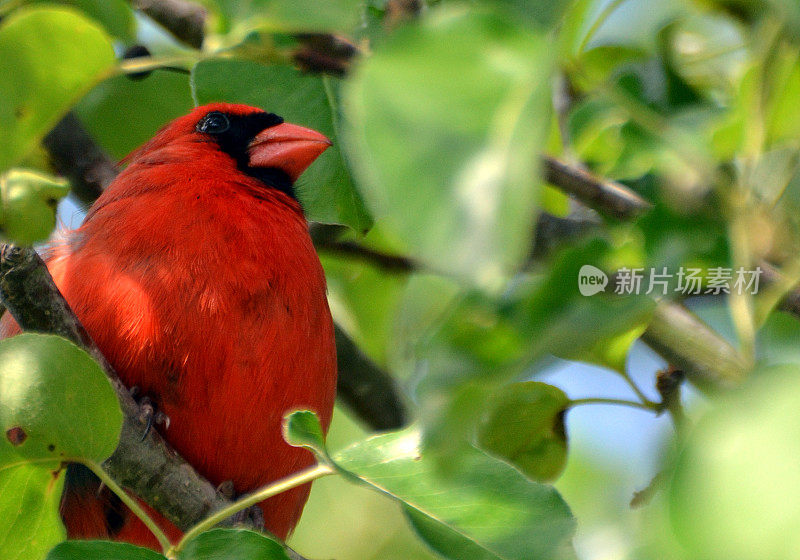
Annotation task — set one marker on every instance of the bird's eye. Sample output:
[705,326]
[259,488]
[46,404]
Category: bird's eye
[214,123]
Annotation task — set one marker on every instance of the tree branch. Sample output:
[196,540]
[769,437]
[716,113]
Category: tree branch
[186,21]
[367,390]
[76,156]
[149,467]
[686,342]
[607,197]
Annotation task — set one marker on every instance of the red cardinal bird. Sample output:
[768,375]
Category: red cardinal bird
[195,275]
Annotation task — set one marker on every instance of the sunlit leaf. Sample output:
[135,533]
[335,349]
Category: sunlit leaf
[55,401]
[525,425]
[735,492]
[297,15]
[29,521]
[485,505]
[28,207]
[445,119]
[115,15]
[226,544]
[101,550]
[303,429]
[49,57]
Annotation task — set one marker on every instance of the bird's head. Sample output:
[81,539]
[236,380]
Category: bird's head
[261,144]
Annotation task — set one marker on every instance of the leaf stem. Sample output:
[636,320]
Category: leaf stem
[292,481]
[132,504]
[149,63]
[642,397]
[621,402]
[598,23]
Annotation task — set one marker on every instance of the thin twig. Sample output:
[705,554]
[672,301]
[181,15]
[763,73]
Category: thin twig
[185,20]
[708,360]
[617,402]
[607,197]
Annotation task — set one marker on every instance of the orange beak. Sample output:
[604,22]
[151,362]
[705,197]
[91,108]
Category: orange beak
[287,147]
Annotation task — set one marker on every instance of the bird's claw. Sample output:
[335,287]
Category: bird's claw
[149,415]
[250,517]
[227,489]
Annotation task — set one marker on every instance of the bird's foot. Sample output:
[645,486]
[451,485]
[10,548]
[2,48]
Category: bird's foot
[227,489]
[149,415]
[251,517]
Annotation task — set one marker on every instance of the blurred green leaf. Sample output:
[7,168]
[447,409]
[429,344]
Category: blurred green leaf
[49,57]
[296,15]
[779,340]
[115,15]
[544,14]
[101,550]
[28,203]
[682,231]
[617,23]
[326,189]
[525,425]
[483,343]
[227,544]
[364,298]
[29,521]
[783,86]
[55,401]
[735,492]
[122,114]
[751,12]
[445,119]
[774,172]
[558,320]
[595,127]
[423,306]
[486,505]
[708,50]
[613,352]
[302,428]
[599,64]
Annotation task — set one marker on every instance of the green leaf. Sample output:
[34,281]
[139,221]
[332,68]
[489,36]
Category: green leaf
[485,505]
[783,82]
[325,189]
[541,13]
[29,521]
[495,339]
[364,299]
[49,57]
[101,550]
[115,15]
[561,321]
[302,428]
[55,401]
[613,352]
[424,305]
[445,120]
[735,491]
[123,114]
[708,51]
[28,203]
[295,15]
[226,544]
[525,425]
